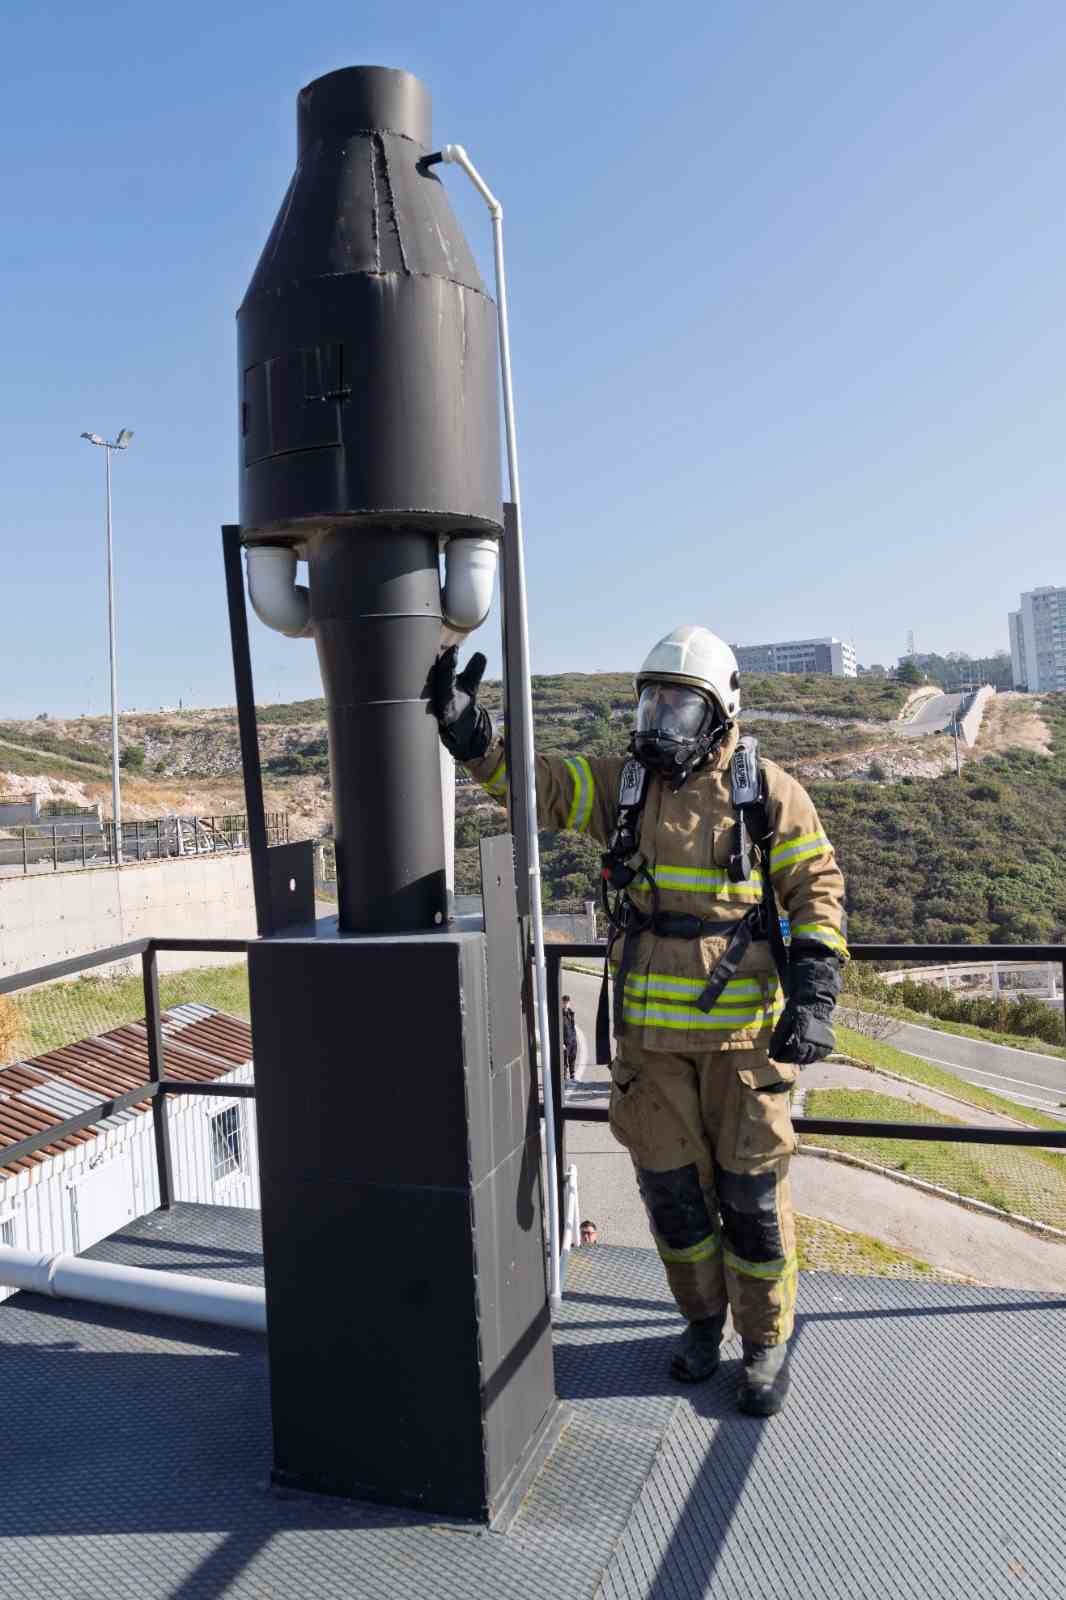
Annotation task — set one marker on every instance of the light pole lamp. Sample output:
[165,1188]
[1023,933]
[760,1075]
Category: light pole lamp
[107,445]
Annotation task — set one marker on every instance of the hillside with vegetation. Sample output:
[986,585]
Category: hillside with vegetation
[928,856]
[977,859]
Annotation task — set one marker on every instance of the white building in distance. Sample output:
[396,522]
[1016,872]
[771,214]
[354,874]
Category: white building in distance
[834,657]
[1038,640]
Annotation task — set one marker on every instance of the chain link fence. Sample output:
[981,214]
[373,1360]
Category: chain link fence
[1022,1182]
[826,1247]
[35,1021]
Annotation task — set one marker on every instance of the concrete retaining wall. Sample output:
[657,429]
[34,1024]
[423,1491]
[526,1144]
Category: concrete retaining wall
[971,719]
[49,917]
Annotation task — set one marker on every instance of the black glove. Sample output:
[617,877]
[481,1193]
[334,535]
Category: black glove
[804,1034]
[465,727]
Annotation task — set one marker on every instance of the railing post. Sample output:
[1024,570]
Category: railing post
[160,1125]
[83,844]
[555,1067]
[55,848]
[25,853]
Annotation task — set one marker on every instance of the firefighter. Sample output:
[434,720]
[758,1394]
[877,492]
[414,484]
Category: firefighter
[699,1092]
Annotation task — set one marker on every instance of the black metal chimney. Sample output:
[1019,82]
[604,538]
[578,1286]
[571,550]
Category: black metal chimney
[369,437]
[369,433]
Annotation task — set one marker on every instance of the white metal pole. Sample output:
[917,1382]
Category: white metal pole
[116,793]
[456,154]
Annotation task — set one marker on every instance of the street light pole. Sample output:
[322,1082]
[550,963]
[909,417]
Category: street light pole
[116,791]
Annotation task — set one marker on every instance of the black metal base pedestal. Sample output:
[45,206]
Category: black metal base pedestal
[408,1323]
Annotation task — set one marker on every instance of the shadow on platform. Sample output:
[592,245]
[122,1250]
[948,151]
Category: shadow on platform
[920,1454]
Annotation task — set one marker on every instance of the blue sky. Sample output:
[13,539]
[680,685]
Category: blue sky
[787,301]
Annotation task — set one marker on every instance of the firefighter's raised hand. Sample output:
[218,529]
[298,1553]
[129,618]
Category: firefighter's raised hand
[465,727]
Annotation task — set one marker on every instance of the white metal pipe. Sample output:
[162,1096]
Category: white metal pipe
[277,599]
[112,647]
[171,1294]
[455,154]
[572,1211]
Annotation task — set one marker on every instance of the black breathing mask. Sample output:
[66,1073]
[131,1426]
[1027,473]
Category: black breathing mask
[676,729]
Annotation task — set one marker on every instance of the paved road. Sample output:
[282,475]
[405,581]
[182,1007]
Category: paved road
[1022,1075]
[993,1251]
[933,716]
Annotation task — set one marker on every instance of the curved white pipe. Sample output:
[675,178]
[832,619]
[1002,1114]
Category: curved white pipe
[277,599]
[171,1294]
[456,154]
[469,580]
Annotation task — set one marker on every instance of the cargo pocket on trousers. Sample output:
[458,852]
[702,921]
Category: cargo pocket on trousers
[622,1110]
[764,1121]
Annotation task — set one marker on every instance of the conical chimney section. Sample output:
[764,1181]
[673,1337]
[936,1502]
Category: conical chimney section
[369,435]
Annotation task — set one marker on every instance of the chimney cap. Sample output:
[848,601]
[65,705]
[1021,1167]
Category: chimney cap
[357,99]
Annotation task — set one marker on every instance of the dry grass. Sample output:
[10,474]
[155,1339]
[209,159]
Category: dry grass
[1013,722]
[10,1029]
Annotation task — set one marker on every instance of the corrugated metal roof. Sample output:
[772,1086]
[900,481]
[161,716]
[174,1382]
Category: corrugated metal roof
[199,1045]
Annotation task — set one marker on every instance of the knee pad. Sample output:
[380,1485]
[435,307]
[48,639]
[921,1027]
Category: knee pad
[748,1205]
[676,1206]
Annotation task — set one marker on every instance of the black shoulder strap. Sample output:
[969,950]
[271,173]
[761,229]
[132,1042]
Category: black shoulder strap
[760,821]
[748,793]
[616,877]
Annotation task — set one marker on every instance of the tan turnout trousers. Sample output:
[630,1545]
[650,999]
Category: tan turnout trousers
[710,1136]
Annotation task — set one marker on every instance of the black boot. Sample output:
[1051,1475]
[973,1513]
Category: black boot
[764,1386]
[696,1355]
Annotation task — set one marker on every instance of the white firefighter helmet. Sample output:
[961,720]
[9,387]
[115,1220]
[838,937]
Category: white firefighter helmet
[697,657]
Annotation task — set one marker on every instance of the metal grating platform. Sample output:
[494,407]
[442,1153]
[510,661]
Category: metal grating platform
[921,1455]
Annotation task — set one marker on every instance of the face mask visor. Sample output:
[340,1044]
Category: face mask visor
[670,712]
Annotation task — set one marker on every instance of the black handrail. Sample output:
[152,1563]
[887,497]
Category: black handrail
[947,1133]
[159,1088]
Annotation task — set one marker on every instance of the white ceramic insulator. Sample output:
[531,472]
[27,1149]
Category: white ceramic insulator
[171,1294]
[469,581]
[277,599]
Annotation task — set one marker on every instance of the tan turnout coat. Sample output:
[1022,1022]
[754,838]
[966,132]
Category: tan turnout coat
[686,840]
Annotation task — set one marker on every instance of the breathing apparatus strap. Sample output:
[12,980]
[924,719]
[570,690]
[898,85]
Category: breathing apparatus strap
[620,866]
[725,968]
[747,786]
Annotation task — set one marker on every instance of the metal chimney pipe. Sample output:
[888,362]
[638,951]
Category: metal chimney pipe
[369,438]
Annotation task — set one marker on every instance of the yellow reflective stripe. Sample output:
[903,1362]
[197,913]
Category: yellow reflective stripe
[802,848]
[702,880]
[822,932]
[784,1267]
[580,812]
[668,987]
[703,1251]
[497,784]
[719,1018]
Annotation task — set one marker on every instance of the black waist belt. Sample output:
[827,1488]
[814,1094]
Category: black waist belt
[684,925]
[680,925]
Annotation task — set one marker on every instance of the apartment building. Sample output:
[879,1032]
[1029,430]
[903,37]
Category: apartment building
[1038,640]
